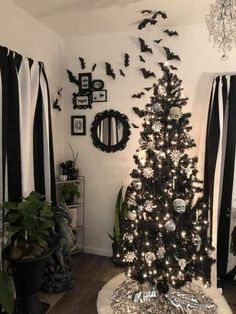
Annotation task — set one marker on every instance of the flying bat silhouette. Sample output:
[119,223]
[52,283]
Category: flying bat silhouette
[141,59]
[170,55]
[143,46]
[147,88]
[94,66]
[146,11]
[82,63]
[138,112]
[126,60]
[72,78]
[145,22]
[139,95]
[164,68]
[109,70]
[161,13]
[135,126]
[60,91]
[147,73]
[122,73]
[173,68]
[157,41]
[171,33]
[55,105]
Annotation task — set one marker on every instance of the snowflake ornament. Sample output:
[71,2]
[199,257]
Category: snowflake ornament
[149,206]
[129,257]
[151,145]
[157,126]
[148,172]
[175,156]
[160,252]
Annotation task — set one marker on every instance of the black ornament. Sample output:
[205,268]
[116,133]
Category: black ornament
[162,287]
[139,112]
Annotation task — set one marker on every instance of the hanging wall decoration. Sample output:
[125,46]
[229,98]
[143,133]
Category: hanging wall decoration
[78,125]
[55,103]
[90,90]
[110,131]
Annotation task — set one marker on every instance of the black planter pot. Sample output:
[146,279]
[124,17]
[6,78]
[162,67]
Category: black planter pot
[28,276]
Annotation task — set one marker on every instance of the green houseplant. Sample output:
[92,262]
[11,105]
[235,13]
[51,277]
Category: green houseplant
[120,215]
[68,191]
[28,228]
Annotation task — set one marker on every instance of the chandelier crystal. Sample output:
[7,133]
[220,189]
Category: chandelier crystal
[221,23]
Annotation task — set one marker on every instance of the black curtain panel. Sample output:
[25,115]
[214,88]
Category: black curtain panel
[219,174]
[26,152]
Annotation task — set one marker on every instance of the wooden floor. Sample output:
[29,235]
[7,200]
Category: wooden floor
[91,273]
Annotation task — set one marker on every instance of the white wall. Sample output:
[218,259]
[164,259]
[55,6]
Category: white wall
[106,172]
[22,33]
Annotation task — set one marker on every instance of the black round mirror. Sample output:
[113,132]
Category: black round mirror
[110,131]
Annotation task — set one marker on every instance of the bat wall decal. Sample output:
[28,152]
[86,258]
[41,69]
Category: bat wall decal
[139,112]
[59,92]
[161,13]
[163,67]
[146,11]
[55,105]
[143,46]
[82,63]
[170,55]
[157,41]
[147,73]
[72,78]
[173,68]
[141,59]
[145,22]
[170,33]
[147,88]
[134,126]
[94,67]
[122,73]
[126,60]
[139,95]
[109,70]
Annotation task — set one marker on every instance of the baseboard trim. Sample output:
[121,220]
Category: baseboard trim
[96,251]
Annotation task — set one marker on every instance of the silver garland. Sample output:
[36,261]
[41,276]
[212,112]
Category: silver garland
[131,297]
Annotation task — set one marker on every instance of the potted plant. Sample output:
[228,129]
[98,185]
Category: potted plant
[6,293]
[119,216]
[68,191]
[28,227]
[68,167]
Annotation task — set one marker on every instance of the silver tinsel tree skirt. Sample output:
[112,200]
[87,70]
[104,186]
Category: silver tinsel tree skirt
[121,296]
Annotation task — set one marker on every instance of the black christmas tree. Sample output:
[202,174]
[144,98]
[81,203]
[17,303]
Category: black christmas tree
[165,241]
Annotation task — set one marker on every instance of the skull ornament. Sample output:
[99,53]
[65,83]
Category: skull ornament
[182,262]
[179,205]
[175,113]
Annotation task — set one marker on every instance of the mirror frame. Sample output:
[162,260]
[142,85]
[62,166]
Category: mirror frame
[123,119]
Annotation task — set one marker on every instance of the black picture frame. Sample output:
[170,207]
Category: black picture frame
[78,125]
[122,118]
[85,82]
[99,96]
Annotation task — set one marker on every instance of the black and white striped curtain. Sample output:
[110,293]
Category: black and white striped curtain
[220,169]
[26,152]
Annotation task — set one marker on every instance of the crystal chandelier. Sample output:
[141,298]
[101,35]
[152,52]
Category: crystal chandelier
[221,23]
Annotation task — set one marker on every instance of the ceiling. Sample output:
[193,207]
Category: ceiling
[81,17]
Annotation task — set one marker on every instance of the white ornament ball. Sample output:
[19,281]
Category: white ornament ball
[156,107]
[150,257]
[132,215]
[130,237]
[170,225]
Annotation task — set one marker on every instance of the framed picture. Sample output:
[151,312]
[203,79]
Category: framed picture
[100,96]
[78,125]
[85,82]
[82,101]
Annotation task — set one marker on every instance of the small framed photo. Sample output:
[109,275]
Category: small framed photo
[78,125]
[100,96]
